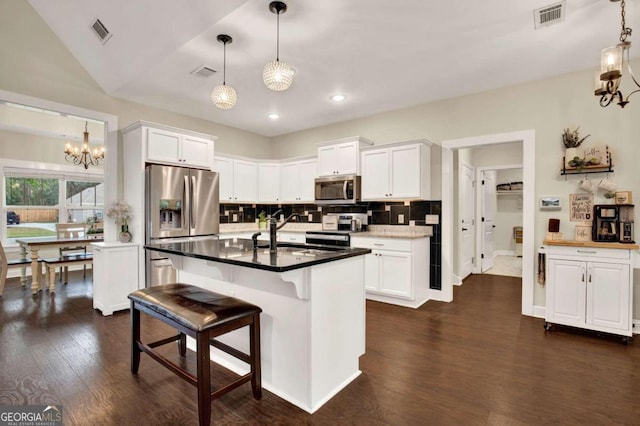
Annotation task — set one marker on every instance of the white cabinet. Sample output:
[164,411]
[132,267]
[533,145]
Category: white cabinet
[340,157]
[115,275]
[169,147]
[237,180]
[398,172]
[268,182]
[396,270]
[297,181]
[589,287]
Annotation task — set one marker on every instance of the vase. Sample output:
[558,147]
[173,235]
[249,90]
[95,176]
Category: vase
[125,235]
[262,225]
[570,154]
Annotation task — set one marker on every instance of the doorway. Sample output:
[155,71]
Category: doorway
[450,232]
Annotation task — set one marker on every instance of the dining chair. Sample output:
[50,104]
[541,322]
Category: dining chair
[71,230]
[5,264]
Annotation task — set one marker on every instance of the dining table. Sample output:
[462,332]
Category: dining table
[32,247]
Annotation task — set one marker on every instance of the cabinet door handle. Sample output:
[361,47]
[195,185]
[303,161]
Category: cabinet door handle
[378,244]
[587,251]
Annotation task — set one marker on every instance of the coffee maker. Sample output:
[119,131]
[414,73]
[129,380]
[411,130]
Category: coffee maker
[612,223]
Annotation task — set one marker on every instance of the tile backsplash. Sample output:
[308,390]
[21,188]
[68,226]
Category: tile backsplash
[380,213]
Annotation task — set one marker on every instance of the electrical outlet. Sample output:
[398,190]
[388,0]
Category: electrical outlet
[407,203]
[412,223]
[387,208]
[310,217]
[400,219]
[369,213]
[431,219]
[235,217]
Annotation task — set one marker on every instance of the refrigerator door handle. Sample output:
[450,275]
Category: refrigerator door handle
[192,204]
[186,195]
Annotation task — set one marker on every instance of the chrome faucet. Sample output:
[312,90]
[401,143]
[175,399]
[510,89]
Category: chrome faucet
[273,227]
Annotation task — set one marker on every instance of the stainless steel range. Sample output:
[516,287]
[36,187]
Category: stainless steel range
[337,228]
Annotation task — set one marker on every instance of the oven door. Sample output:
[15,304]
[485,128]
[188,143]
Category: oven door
[330,238]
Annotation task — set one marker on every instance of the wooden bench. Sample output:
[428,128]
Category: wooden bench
[203,315]
[63,262]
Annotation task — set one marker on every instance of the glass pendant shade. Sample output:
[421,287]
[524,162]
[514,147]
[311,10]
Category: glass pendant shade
[278,75]
[611,63]
[224,97]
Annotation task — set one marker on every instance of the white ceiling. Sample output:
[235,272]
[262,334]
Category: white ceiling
[383,55]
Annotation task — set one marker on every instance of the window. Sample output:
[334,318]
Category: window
[35,202]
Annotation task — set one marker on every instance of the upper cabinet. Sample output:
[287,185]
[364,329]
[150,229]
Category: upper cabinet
[238,179]
[268,182]
[171,147]
[341,157]
[297,181]
[398,171]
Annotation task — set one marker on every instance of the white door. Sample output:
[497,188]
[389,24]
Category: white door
[467,209]
[269,182]
[307,172]
[566,293]
[488,214]
[327,160]
[224,167]
[245,181]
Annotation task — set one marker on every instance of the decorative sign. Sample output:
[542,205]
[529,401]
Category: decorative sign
[580,207]
[583,232]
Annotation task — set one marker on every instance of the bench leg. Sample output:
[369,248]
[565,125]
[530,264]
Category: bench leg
[254,353]
[135,338]
[182,344]
[203,377]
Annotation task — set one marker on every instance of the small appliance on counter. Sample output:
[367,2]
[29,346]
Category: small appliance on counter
[613,223]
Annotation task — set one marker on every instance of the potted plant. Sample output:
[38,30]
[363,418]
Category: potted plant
[262,220]
[571,141]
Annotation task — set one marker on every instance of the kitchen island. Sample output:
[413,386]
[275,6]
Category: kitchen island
[313,301]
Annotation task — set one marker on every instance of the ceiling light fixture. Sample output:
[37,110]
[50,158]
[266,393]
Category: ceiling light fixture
[612,61]
[223,96]
[277,75]
[274,116]
[82,155]
[338,98]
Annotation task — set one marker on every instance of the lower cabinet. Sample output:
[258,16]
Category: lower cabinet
[396,270]
[590,288]
[115,275]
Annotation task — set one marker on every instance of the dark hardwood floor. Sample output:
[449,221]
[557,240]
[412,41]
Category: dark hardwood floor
[474,361]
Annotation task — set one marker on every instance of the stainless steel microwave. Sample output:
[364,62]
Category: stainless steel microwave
[337,189]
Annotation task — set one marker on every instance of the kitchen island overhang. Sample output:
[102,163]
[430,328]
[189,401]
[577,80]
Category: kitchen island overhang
[313,302]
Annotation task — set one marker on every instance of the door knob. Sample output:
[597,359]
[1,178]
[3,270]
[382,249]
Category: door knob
[464,229]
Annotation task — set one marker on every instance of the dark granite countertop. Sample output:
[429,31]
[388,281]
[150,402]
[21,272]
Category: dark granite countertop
[240,252]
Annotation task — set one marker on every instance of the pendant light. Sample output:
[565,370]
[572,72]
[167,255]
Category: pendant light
[612,61]
[277,75]
[223,96]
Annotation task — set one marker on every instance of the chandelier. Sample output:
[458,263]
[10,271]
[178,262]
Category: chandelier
[81,155]
[277,75]
[223,96]
[612,61]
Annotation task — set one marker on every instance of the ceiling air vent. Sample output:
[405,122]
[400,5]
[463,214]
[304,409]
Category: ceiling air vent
[203,71]
[101,31]
[549,15]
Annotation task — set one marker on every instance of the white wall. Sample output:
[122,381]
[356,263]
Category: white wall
[547,106]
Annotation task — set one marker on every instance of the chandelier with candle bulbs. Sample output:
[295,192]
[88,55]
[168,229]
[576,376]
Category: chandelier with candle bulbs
[82,155]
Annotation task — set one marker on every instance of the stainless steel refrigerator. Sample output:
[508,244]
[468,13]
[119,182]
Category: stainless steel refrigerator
[181,203]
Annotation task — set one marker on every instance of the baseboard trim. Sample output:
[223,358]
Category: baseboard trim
[636,326]
[503,253]
[539,311]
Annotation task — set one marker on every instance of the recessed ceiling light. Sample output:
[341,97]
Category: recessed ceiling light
[338,98]
[274,116]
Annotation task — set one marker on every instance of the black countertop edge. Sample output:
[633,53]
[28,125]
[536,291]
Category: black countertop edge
[180,249]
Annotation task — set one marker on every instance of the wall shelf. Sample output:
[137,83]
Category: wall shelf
[511,192]
[606,168]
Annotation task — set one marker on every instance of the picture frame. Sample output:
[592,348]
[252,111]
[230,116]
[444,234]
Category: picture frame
[624,197]
[550,203]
